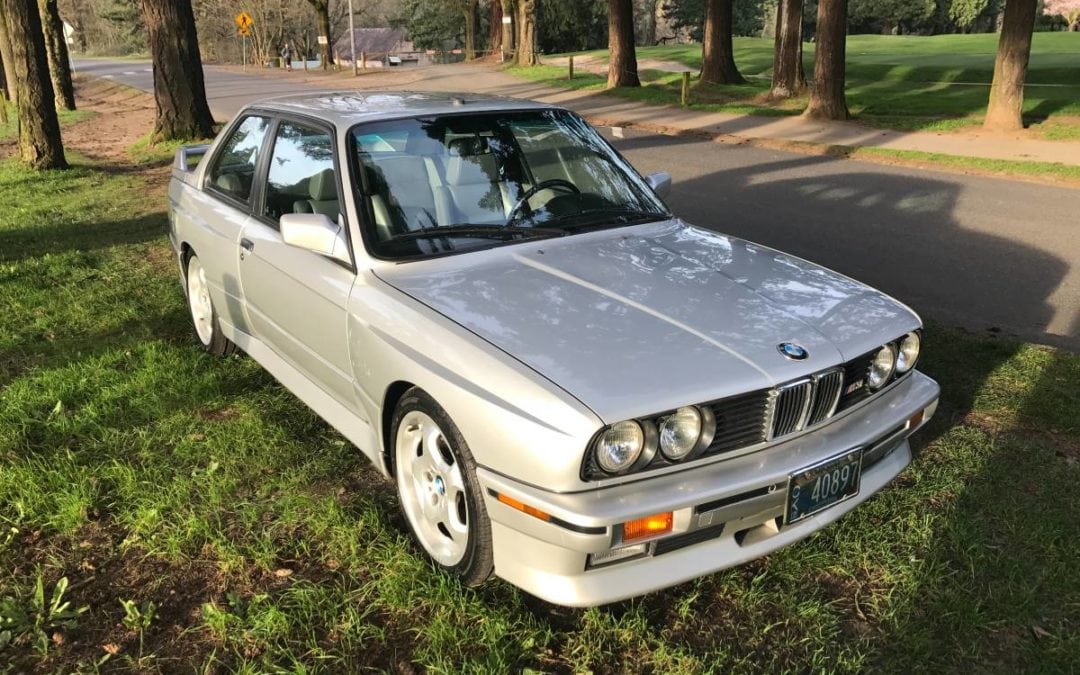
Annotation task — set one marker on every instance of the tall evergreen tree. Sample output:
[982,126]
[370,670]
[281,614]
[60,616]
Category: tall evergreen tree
[788,78]
[56,48]
[717,53]
[827,98]
[622,57]
[1005,111]
[40,145]
[179,89]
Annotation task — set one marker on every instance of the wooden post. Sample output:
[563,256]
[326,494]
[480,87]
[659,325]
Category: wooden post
[571,76]
[685,89]
[363,60]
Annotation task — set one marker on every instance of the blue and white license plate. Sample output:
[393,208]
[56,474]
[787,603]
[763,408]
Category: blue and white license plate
[823,485]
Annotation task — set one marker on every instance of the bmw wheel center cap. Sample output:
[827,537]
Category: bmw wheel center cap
[793,351]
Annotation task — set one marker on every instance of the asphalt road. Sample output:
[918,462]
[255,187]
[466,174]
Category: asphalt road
[987,254]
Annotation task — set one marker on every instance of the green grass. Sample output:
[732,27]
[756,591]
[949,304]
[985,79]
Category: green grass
[144,470]
[937,83]
[10,129]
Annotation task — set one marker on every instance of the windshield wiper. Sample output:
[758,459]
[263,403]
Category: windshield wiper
[616,217]
[488,231]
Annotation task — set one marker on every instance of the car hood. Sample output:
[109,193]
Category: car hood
[636,321]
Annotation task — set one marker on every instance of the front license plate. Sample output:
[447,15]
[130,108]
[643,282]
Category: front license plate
[820,486]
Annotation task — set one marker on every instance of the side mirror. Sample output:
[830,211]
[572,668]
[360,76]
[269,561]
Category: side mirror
[660,183]
[315,232]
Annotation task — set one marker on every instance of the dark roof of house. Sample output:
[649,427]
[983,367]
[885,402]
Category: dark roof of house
[371,40]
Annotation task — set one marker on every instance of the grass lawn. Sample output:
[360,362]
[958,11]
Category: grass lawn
[935,83]
[195,514]
[11,128]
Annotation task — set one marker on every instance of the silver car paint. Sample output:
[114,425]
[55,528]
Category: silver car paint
[642,320]
[528,400]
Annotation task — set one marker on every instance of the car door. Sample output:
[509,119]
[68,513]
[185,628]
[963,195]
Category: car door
[296,300]
[223,208]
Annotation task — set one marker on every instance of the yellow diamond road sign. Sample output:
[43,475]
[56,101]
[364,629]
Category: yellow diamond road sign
[243,21]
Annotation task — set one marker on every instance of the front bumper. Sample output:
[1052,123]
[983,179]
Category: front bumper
[725,513]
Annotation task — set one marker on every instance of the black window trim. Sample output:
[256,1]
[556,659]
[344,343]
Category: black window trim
[208,185]
[258,205]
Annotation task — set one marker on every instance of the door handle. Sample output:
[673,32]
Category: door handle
[247,245]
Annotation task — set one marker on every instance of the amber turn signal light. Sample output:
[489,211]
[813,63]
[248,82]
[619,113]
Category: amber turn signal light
[524,508]
[649,526]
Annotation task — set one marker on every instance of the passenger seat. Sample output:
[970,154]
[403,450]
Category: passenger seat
[322,188]
[472,181]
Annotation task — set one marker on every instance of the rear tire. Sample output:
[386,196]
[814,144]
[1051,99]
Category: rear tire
[438,489]
[203,315]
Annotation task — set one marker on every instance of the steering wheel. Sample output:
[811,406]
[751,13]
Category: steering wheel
[552,184]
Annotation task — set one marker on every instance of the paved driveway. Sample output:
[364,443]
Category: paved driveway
[984,253]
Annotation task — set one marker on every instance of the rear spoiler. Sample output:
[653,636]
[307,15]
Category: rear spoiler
[187,160]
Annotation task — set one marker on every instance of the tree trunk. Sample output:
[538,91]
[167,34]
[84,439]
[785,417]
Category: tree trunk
[3,86]
[717,57]
[788,77]
[525,54]
[56,48]
[470,30]
[179,90]
[8,61]
[1005,112]
[39,130]
[622,61]
[827,93]
[495,29]
[322,16]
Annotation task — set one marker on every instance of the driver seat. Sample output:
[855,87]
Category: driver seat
[473,185]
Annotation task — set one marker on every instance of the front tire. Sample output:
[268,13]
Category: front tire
[203,315]
[438,489]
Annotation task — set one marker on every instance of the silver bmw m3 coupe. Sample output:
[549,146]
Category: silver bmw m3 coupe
[571,388]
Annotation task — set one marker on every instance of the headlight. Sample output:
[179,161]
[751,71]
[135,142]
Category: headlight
[680,433]
[620,446]
[909,352]
[881,369]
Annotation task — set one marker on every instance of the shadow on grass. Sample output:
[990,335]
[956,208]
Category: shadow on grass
[53,239]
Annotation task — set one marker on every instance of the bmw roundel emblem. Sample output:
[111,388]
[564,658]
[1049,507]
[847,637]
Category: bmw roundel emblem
[793,351]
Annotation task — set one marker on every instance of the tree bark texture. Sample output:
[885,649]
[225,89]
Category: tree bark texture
[179,89]
[1005,111]
[622,62]
[525,54]
[717,55]
[495,29]
[56,48]
[3,87]
[788,77]
[39,129]
[827,99]
[7,60]
[470,29]
[322,16]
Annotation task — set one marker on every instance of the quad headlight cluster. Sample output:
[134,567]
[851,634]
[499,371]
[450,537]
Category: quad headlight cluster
[895,358]
[632,444]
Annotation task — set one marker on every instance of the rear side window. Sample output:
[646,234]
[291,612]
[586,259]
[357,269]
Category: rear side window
[233,171]
[301,177]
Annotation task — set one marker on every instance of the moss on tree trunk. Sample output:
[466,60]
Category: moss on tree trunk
[39,129]
[56,48]
[179,90]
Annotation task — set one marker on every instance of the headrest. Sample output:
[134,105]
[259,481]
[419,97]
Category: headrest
[419,143]
[322,186]
[229,182]
[472,170]
[468,146]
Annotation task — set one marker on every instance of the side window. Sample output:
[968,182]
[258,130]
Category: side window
[301,177]
[233,171]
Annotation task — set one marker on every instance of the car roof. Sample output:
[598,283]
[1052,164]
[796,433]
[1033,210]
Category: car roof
[346,108]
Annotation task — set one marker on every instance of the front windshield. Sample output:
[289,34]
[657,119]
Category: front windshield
[440,185]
